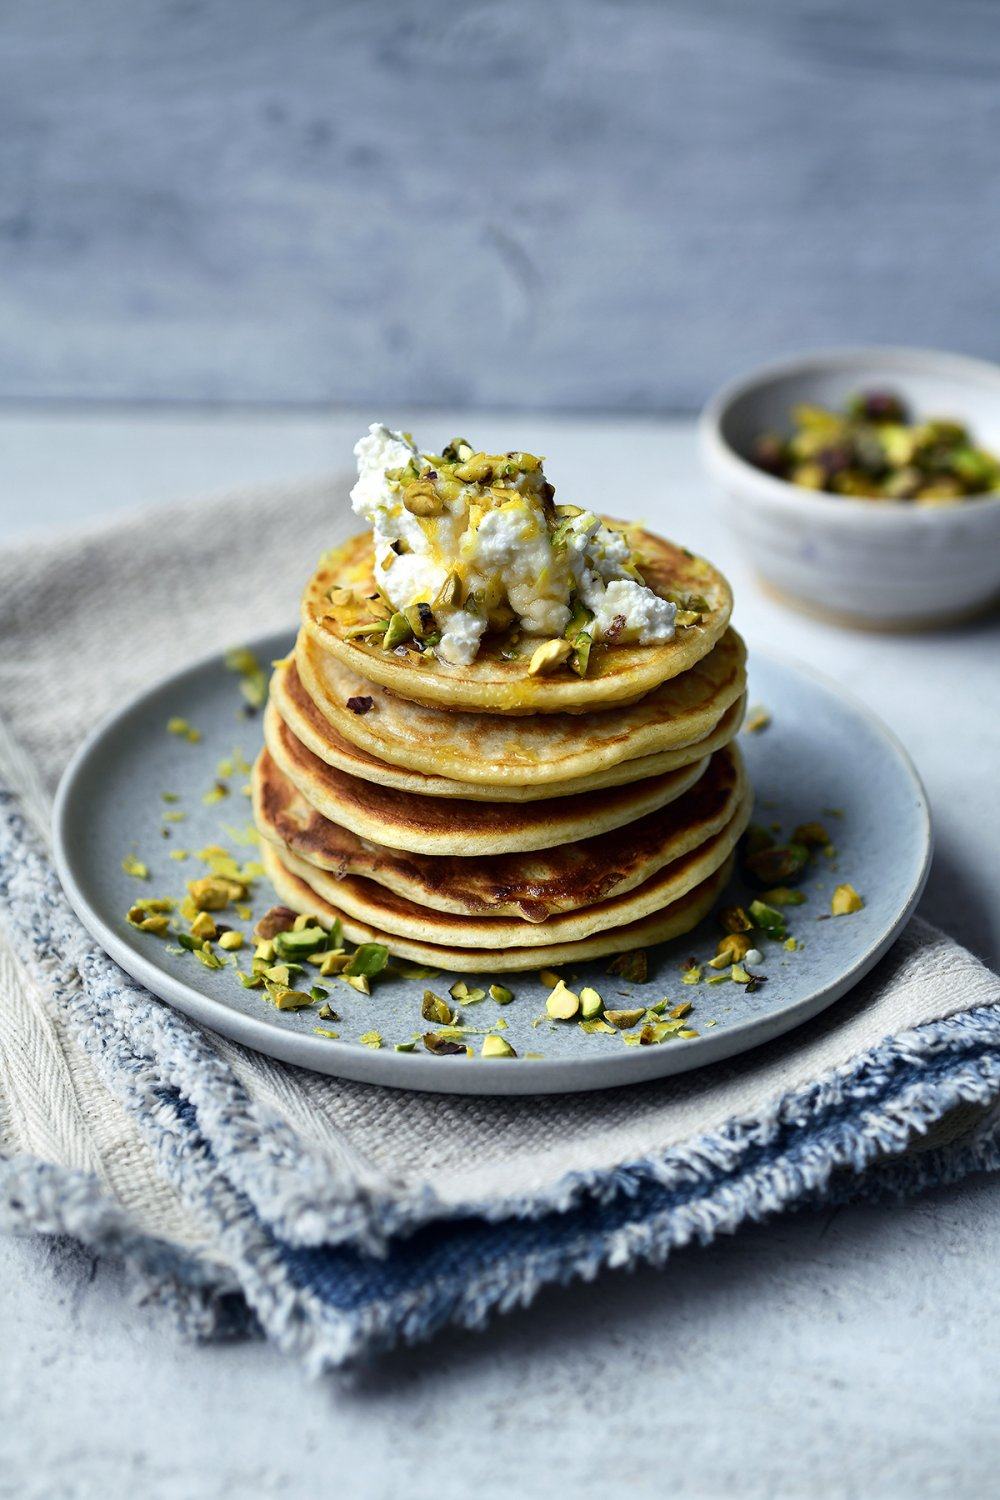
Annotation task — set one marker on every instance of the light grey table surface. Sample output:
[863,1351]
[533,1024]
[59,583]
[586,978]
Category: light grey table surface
[843,1354]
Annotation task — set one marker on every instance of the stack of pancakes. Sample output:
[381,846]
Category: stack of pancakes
[482,818]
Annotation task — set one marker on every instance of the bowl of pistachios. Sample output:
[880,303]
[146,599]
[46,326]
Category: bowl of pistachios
[864,484]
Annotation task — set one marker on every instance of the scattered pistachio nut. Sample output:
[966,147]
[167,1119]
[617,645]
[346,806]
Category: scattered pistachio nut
[549,656]
[496,1046]
[845,900]
[591,1003]
[433,1008]
[562,1004]
[623,1019]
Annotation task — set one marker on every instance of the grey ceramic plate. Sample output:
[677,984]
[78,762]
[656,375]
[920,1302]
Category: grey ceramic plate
[821,751]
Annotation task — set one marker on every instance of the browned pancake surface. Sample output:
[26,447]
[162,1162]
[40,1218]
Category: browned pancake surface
[435,825]
[532,886]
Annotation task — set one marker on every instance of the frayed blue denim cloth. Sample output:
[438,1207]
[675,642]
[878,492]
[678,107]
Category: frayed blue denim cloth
[333,1266]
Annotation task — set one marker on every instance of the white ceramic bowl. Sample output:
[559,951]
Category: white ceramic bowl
[890,563]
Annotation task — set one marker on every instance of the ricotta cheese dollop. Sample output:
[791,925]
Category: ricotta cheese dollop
[476,537]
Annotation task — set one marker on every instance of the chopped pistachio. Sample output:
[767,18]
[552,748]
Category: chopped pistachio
[549,978]
[276,919]
[845,900]
[405,1047]
[733,947]
[581,653]
[623,1019]
[501,994]
[739,974]
[562,1004]
[291,999]
[595,1025]
[768,919]
[777,865]
[332,963]
[433,1008]
[366,628]
[210,893]
[249,981]
[443,1046]
[367,961]
[334,1036]
[298,943]
[203,926]
[397,631]
[208,958]
[813,835]
[655,1032]
[692,975]
[178,854]
[183,730]
[372,1039]
[215,793]
[147,921]
[687,1034]
[357,982]
[496,1046]
[173,817]
[735,919]
[549,656]
[134,866]
[591,1003]
[420,618]
[783,895]
[231,941]
[631,966]
[757,719]
[684,1009]
[791,944]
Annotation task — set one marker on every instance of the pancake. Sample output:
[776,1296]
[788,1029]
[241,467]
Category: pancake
[311,727]
[432,825]
[490,751]
[375,904]
[531,887]
[673,921]
[490,684]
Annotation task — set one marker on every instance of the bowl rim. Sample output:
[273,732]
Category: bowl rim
[724,462]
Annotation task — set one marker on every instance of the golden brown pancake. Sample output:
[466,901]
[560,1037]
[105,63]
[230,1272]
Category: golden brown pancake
[529,886]
[659,927]
[431,825]
[311,727]
[367,901]
[491,684]
[490,750]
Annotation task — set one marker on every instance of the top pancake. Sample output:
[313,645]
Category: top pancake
[490,751]
[616,674]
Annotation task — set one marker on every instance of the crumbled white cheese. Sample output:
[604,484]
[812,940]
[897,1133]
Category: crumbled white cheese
[506,556]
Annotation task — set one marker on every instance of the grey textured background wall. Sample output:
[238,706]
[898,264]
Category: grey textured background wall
[583,203]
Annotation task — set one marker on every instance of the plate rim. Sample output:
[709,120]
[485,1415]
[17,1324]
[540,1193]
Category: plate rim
[426,1074]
